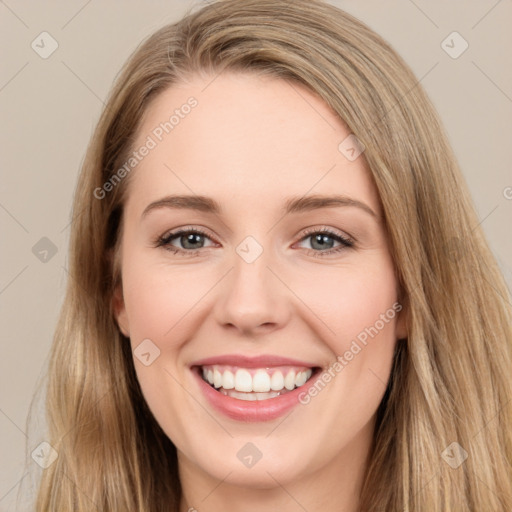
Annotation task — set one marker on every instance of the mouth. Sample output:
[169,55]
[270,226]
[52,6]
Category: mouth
[255,384]
[252,389]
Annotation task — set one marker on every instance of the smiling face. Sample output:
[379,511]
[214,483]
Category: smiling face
[238,270]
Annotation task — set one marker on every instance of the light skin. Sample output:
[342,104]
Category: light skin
[251,144]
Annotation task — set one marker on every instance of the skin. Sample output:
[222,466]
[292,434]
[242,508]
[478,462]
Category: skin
[251,143]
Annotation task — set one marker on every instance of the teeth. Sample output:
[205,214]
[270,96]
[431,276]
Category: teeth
[300,379]
[289,380]
[228,380]
[243,381]
[217,378]
[250,396]
[277,381]
[259,382]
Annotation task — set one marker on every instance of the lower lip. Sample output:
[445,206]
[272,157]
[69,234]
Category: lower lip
[245,410]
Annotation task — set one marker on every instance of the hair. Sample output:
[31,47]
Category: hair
[451,377]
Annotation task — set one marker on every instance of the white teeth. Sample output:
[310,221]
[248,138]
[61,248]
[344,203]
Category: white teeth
[217,378]
[243,381]
[228,380]
[300,379]
[250,396]
[289,380]
[260,385]
[261,381]
[277,381]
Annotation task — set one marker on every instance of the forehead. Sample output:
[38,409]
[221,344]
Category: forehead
[239,136]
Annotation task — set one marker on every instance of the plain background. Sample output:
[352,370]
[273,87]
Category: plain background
[50,106]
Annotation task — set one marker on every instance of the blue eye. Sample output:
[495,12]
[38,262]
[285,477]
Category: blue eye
[322,242]
[191,241]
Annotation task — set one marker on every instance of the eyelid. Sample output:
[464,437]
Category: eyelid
[329,231]
[345,241]
[173,233]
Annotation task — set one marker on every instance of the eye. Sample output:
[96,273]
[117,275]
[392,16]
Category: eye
[190,241]
[322,242]
[185,241]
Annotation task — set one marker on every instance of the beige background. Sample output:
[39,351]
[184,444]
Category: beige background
[50,106]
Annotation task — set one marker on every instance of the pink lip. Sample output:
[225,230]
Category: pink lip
[251,411]
[263,361]
[241,410]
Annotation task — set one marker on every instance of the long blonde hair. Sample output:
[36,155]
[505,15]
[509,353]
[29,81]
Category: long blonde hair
[451,378]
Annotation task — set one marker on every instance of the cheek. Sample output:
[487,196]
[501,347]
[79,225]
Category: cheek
[352,300]
[161,306]
[158,299]
[357,311]
[359,308]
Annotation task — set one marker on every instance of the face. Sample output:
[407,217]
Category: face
[258,290]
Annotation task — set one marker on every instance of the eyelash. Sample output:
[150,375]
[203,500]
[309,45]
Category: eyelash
[165,240]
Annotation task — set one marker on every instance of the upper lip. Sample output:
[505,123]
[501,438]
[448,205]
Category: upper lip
[261,361]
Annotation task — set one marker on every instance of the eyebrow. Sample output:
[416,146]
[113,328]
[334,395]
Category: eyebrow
[292,205]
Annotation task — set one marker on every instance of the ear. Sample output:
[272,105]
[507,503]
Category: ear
[119,309]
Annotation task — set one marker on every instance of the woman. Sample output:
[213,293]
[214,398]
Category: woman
[279,296]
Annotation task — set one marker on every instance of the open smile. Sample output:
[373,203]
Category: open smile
[253,389]
[255,383]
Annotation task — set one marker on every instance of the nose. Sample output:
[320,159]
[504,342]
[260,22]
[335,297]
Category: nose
[252,300]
